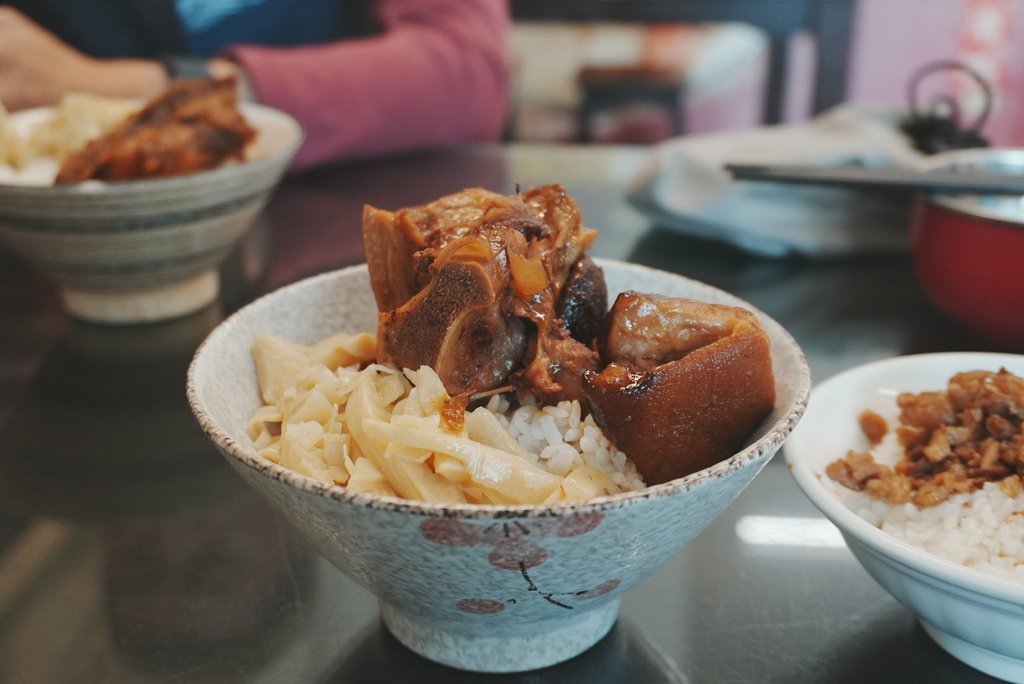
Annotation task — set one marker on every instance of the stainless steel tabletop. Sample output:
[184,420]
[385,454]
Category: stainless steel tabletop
[129,552]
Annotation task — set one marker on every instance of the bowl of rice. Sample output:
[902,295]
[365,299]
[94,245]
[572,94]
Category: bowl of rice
[495,587]
[915,459]
[130,251]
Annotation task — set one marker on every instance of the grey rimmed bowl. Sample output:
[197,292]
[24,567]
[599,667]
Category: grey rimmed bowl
[145,250]
[485,588]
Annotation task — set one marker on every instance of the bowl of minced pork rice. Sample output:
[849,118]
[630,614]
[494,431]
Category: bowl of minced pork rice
[919,460]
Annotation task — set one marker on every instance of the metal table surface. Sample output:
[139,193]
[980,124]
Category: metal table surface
[129,552]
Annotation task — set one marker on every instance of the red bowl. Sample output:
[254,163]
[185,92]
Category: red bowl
[968,250]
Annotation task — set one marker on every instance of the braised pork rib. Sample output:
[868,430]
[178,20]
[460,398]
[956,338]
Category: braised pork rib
[480,286]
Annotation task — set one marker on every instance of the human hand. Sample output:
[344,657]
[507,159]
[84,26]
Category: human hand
[224,68]
[37,68]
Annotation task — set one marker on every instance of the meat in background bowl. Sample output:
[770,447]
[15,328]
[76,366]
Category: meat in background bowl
[144,250]
[480,587]
[975,616]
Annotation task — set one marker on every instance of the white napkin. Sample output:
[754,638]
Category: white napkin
[685,187]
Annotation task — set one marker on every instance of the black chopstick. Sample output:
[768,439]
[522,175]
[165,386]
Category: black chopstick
[885,177]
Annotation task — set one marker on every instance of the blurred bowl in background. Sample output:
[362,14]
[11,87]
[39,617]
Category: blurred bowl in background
[145,250]
[968,250]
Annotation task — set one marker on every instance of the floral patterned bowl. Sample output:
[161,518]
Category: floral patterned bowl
[486,588]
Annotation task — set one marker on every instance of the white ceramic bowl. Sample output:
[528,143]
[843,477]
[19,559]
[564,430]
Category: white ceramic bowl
[976,618]
[488,588]
[145,250]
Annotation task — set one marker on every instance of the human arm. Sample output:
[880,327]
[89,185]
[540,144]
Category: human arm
[37,68]
[438,74]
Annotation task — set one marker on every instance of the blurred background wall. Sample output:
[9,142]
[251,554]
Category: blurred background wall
[891,37]
[638,83]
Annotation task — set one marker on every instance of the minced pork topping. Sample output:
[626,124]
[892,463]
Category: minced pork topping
[953,441]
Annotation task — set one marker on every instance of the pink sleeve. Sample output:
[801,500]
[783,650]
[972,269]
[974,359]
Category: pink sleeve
[438,74]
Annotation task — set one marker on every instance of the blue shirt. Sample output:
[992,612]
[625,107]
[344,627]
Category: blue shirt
[211,25]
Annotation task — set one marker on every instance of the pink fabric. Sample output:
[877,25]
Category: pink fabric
[437,75]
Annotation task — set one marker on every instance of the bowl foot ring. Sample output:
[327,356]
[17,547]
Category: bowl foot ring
[530,646]
[159,303]
[989,662]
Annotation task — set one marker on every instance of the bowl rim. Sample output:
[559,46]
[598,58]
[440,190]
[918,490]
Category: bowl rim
[966,204]
[247,455]
[882,543]
[107,189]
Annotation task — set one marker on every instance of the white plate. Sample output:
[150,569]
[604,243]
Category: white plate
[684,187]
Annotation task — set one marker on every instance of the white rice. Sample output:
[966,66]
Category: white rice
[983,530]
[38,172]
[558,439]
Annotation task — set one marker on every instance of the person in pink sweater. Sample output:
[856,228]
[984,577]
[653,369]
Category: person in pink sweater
[432,72]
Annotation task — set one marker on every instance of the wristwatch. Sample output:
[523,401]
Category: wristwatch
[179,67]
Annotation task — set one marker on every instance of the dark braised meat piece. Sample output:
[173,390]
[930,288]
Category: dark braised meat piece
[685,385]
[584,301]
[856,469]
[469,283]
[456,326]
[874,426]
[195,125]
[401,245]
[647,330]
